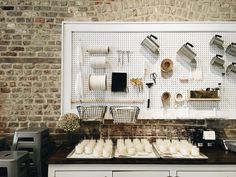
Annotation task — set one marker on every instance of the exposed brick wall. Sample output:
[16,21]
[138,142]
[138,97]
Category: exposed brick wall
[179,128]
[152,128]
[30,46]
[29,95]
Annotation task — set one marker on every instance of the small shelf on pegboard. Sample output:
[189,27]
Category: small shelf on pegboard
[203,95]
[203,99]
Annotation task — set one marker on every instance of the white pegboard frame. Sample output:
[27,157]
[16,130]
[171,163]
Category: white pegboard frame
[187,32]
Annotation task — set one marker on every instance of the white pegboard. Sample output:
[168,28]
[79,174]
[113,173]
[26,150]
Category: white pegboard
[170,42]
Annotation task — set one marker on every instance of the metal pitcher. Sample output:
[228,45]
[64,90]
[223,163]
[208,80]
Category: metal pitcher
[231,49]
[150,44]
[216,40]
[231,68]
[218,61]
[187,51]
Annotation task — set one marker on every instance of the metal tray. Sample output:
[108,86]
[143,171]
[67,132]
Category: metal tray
[178,155]
[151,155]
[73,155]
[226,143]
[232,146]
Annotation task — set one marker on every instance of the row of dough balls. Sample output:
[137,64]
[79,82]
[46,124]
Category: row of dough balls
[175,146]
[132,147]
[97,148]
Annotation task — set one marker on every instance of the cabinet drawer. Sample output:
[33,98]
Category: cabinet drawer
[83,173]
[206,174]
[140,173]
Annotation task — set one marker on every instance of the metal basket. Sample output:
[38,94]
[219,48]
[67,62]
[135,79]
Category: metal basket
[124,114]
[91,113]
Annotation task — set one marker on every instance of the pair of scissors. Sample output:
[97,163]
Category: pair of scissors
[153,76]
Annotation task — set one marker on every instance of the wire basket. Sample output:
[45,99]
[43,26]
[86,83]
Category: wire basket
[124,114]
[91,113]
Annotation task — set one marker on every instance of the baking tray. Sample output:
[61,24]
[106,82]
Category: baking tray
[73,155]
[152,155]
[178,155]
[232,146]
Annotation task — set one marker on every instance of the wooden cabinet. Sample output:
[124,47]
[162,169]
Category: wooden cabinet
[83,174]
[212,173]
[141,173]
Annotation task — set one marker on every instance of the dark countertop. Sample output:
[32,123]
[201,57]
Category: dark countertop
[215,156]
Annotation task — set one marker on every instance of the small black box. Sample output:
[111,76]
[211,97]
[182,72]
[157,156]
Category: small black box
[119,82]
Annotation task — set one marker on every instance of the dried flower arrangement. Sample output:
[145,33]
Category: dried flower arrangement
[69,122]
